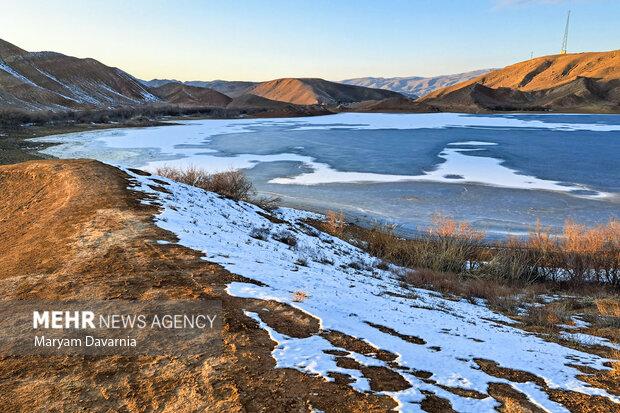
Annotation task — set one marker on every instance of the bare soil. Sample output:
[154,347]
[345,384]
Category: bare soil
[71,229]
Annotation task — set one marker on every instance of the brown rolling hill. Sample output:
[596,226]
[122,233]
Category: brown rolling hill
[258,106]
[184,95]
[311,91]
[53,81]
[249,101]
[390,105]
[588,82]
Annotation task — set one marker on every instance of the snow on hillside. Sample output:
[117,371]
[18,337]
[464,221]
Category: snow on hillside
[52,81]
[346,292]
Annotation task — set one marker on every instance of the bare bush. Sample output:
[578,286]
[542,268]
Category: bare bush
[233,184]
[300,296]
[578,258]
[286,237]
[267,203]
[495,291]
[260,233]
[515,261]
[446,246]
[334,224]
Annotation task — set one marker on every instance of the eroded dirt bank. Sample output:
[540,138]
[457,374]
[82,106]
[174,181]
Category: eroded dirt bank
[72,230]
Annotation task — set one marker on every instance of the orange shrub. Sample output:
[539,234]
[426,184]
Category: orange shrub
[334,224]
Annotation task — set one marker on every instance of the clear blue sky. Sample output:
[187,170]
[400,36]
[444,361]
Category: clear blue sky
[332,39]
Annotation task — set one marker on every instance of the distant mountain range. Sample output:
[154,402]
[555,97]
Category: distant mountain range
[299,91]
[310,91]
[53,81]
[223,86]
[414,86]
[185,95]
[585,82]
[581,82]
[411,87]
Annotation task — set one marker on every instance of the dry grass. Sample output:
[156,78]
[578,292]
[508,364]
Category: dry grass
[615,372]
[498,293]
[608,313]
[300,296]
[546,316]
[233,184]
[608,307]
[334,224]
[579,257]
[446,246]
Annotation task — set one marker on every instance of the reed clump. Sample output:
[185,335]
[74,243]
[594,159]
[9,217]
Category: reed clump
[577,256]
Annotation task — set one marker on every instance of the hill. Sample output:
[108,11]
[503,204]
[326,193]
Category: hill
[223,86]
[158,82]
[309,321]
[571,82]
[49,80]
[184,95]
[258,106]
[312,91]
[226,87]
[390,105]
[414,86]
[249,101]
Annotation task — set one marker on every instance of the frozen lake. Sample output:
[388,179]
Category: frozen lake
[500,172]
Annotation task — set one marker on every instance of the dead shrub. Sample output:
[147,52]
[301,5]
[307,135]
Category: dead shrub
[266,203]
[548,315]
[494,291]
[233,184]
[447,246]
[260,233]
[334,224]
[515,261]
[381,242]
[286,237]
[591,254]
[451,246]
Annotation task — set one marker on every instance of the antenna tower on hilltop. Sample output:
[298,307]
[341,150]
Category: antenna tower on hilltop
[565,34]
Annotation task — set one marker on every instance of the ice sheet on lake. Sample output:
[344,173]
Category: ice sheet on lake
[458,167]
[187,145]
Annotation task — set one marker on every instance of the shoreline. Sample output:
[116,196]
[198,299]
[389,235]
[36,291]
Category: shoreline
[357,213]
[14,149]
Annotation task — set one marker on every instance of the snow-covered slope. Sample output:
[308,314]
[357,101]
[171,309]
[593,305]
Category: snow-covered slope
[346,291]
[53,81]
